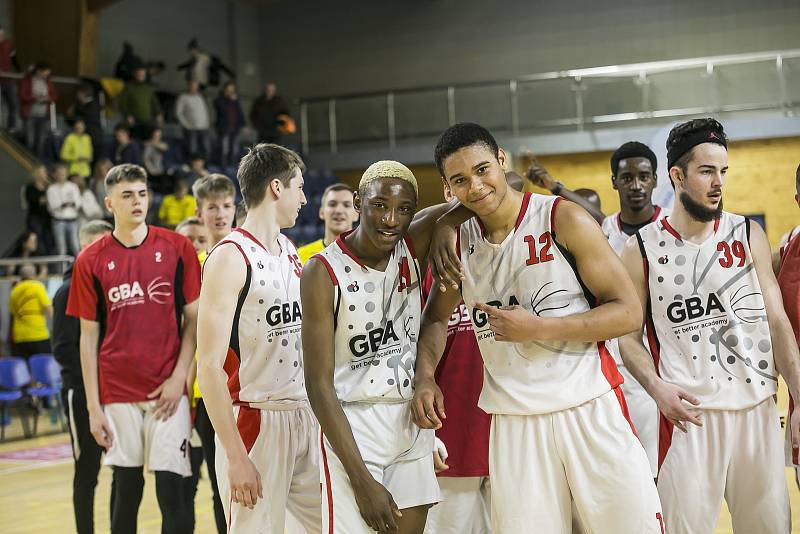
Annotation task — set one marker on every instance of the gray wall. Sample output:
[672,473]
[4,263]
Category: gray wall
[160,30]
[316,47]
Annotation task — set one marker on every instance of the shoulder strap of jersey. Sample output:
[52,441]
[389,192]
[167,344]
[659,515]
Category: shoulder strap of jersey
[747,229]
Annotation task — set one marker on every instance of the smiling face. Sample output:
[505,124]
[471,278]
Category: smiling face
[387,206]
[338,211]
[128,202]
[635,181]
[699,188]
[290,199]
[476,178]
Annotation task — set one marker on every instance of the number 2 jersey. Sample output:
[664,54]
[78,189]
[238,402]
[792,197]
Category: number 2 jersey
[530,269]
[264,363]
[376,321]
[706,321]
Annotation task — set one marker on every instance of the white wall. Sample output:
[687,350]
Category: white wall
[318,47]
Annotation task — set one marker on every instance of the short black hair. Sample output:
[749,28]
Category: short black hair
[122,127]
[688,129]
[632,149]
[462,135]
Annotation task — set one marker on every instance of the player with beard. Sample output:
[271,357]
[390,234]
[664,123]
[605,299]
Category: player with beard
[718,336]
[339,215]
[543,290]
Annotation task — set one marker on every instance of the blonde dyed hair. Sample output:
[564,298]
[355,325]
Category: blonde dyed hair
[387,169]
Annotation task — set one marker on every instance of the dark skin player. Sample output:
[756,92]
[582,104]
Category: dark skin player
[635,182]
[386,207]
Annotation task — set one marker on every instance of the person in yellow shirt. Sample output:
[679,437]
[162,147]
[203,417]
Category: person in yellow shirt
[216,210]
[178,206]
[29,306]
[339,214]
[77,152]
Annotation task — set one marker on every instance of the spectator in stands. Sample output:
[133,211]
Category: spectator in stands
[25,246]
[37,92]
[87,109]
[29,306]
[127,63]
[264,114]
[196,169]
[229,122]
[90,208]
[126,150]
[153,154]
[204,68]
[64,203]
[139,105]
[98,186]
[66,349]
[76,151]
[8,86]
[191,111]
[178,206]
[38,218]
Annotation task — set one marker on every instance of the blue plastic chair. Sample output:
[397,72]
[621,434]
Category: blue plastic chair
[14,376]
[47,373]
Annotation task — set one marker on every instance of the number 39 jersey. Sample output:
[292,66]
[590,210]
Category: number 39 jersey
[531,270]
[265,359]
[706,321]
[377,318]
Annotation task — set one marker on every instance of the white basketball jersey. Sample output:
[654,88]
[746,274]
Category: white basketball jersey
[265,358]
[377,318]
[530,269]
[707,324]
[612,228]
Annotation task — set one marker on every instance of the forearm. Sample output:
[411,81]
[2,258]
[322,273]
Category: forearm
[188,348]
[785,352]
[572,196]
[88,348]
[432,340]
[607,321]
[638,360]
[336,428]
[455,214]
[217,399]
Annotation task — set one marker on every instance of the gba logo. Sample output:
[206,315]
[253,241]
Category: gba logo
[286,313]
[159,291]
[364,344]
[693,308]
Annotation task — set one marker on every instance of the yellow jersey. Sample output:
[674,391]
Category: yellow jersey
[173,209]
[27,305]
[306,251]
[196,389]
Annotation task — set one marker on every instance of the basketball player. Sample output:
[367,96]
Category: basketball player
[250,366]
[135,293]
[718,336]
[544,289]
[339,215]
[216,207]
[193,230]
[633,176]
[66,349]
[362,305]
[789,283]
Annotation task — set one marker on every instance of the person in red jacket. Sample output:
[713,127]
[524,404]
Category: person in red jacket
[36,93]
[8,86]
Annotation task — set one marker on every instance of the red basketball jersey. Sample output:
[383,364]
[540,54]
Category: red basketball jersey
[459,375]
[137,295]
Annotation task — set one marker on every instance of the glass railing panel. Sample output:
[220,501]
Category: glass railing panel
[361,119]
[489,106]
[420,114]
[546,103]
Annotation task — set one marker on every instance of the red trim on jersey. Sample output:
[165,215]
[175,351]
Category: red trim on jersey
[458,241]
[343,246]
[526,200]
[328,267]
[656,213]
[553,208]
[481,226]
[251,237]
[249,424]
[231,368]
[619,221]
[624,407]
[228,242]
[670,229]
[795,452]
[328,488]
[410,245]
[716,224]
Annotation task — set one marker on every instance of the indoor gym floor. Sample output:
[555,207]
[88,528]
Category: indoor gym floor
[36,491]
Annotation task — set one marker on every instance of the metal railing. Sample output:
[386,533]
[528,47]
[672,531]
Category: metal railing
[568,99]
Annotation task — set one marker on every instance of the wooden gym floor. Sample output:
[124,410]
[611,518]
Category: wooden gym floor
[36,490]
